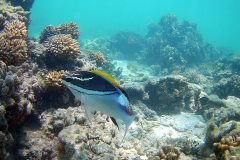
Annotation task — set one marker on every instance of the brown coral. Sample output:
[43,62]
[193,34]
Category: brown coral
[10,13]
[12,43]
[97,56]
[64,28]
[228,147]
[53,79]
[63,47]
[168,152]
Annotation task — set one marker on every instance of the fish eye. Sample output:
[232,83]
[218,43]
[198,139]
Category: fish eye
[68,79]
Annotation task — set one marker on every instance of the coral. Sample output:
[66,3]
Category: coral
[84,65]
[96,45]
[135,90]
[10,13]
[126,42]
[36,145]
[60,49]
[193,76]
[97,56]
[64,28]
[25,4]
[167,92]
[5,137]
[53,79]
[14,106]
[228,147]
[184,39]
[168,152]
[12,43]
[228,87]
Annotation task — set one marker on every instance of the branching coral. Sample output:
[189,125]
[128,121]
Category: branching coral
[64,28]
[53,79]
[10,13]
[12,43]
[61,48]
[228,148]
[97,56]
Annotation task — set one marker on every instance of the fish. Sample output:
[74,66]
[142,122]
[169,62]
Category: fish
[140,75]
[98,91]
[128,67]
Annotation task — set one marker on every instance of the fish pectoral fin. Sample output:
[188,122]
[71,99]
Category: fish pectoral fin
[115,121]
[89,113]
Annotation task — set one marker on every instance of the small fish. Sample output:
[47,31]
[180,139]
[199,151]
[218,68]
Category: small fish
[97,90]
[231,54]
[128,67]
[140,75]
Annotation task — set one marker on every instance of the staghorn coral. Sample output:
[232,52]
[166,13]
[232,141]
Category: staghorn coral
[61,49]
[12,43]
[64,28]
[228,147]
[53,79]
[98,57]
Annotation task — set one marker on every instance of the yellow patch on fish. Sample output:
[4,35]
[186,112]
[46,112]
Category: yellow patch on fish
[107,77]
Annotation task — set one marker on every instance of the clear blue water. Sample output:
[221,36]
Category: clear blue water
[217,20]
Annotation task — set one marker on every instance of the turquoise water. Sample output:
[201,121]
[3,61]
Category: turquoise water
[217,20]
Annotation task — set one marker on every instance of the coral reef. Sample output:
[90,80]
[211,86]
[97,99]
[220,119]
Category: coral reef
[168,152]
[127,43]
[12,43]
[10,13]
[98,44]
[53,79]
[135,90]
[64,28]
[25,4]
[228,87]
[15,107]
[97,56]
[5,137]
[60,49]
[36,145]
[185,41]
[172,93]
[228,147]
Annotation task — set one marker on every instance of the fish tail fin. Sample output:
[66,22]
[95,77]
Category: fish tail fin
[128,122]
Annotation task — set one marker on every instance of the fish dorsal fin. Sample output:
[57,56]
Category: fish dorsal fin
[105,75]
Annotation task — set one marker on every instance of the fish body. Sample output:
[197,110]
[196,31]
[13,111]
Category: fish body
[140,75]
[97,90]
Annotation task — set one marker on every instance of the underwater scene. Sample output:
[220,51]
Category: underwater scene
[119,80]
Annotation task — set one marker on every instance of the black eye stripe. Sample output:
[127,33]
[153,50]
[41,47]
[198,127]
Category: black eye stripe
[68,79]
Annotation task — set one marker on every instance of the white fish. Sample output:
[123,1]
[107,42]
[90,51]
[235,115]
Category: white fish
[97,90]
